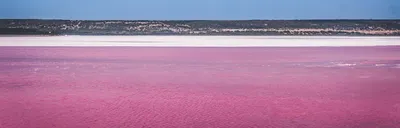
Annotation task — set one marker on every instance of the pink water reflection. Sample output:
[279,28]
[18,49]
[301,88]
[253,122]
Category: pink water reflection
[104,87]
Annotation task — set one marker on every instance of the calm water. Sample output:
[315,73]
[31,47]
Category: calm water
[104,87]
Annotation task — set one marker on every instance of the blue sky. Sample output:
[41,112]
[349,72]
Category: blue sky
[200,9]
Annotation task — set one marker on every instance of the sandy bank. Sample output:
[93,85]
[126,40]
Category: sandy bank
[199,41]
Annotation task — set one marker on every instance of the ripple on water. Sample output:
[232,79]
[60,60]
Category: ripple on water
[344,64]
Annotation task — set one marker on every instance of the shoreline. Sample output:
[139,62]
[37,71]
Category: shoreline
[200,41]
[22,35]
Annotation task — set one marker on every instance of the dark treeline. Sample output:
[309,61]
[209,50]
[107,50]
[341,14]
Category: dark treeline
[201,27]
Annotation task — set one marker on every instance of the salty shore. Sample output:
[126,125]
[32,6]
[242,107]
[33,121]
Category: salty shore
[199,41]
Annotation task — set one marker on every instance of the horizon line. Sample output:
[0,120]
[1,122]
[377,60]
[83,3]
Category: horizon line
[322,19]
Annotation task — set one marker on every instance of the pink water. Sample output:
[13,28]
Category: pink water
[104,87]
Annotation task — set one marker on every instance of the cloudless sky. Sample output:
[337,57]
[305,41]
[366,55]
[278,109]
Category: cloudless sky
[199,9]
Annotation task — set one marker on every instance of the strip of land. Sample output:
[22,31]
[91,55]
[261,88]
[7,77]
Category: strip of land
[363,27]
[199,41]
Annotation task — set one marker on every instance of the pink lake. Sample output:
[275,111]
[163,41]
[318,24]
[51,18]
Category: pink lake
[166,87]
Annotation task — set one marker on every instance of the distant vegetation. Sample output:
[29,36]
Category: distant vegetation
[202,27]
